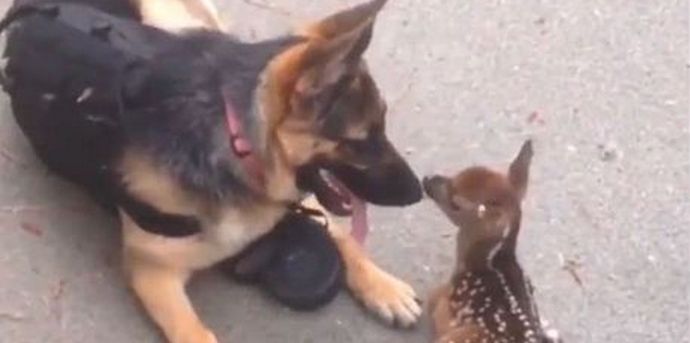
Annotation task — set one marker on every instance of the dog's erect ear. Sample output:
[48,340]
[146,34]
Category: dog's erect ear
[326,62]
[335,48]
[518,174]
[345,21]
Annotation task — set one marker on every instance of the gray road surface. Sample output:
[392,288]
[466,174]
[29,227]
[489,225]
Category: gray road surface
[601,85]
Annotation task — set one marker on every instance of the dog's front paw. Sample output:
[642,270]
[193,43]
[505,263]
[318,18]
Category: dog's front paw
[391,299]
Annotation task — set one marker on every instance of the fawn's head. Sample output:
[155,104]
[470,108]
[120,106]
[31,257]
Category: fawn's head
[482,202]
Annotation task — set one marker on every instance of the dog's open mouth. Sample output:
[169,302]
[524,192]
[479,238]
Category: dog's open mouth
[339,200]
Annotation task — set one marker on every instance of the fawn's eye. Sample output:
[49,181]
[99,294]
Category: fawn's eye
[453,206]
[493,203]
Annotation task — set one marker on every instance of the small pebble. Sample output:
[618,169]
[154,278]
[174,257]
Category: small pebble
[608,152]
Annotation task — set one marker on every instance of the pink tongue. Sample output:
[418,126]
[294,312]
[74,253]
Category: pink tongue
[360,223]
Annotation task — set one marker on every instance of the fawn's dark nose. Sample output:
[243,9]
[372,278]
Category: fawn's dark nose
[432,184]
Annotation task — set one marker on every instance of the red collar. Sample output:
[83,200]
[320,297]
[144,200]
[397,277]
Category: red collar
[242,146]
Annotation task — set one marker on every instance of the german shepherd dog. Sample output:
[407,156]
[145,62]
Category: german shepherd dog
[202,143]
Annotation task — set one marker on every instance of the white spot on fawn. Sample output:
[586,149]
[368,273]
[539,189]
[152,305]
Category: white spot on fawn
[481,211]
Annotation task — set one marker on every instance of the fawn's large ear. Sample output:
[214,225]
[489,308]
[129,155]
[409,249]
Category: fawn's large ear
[518,174]
[335,48]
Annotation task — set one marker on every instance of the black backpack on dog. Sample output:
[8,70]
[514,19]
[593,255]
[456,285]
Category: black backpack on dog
[68,67]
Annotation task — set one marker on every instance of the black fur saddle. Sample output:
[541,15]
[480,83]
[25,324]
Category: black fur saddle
[89,65]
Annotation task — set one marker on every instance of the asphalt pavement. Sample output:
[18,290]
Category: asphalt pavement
[600,85]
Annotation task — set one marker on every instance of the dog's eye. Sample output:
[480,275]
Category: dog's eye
[358,146]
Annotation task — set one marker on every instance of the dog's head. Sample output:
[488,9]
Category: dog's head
[328,117]
[480,198]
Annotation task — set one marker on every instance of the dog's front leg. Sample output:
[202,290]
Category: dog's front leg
[161,290]
[157,274]
[390,298]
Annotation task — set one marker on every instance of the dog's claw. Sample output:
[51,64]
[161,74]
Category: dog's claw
[394,301]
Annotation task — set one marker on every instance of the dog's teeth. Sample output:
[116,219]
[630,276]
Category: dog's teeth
[325,175]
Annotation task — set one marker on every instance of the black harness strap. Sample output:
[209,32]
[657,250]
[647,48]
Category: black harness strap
[157,222]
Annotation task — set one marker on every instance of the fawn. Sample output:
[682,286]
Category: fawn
[489,298]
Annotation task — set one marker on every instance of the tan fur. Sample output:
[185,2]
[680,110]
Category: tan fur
[227,229]
[295,136]
[159,267]
[207,11]
[154,186]
[291,136]
[360,130]
[176,15]
[161,291]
